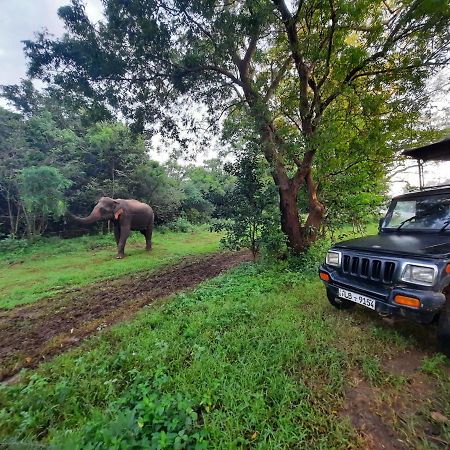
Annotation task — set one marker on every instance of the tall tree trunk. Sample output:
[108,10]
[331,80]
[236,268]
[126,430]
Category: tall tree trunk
[290,220]
[299,235]
[316,211]
[11,215]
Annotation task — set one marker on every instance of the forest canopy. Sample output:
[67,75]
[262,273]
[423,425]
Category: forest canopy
[55,157]
[318,94]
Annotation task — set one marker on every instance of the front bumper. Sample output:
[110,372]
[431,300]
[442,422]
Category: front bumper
[431,302]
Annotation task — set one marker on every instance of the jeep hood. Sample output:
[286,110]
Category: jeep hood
[431,245]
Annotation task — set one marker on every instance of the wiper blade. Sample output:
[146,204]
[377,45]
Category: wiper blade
[418,216]
[406,221]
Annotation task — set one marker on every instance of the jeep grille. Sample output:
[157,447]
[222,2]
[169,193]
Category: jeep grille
[370,268]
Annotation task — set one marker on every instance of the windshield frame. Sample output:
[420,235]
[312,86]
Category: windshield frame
[404,228]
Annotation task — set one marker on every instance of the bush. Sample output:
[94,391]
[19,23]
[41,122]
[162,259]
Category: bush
[274,241]
[12,245]
[309,261]
[180,225]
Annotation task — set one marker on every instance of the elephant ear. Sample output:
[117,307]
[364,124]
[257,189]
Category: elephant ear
[118,210]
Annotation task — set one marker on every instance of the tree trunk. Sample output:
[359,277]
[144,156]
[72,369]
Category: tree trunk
[11,215]
[316,212]
[300,235]
[290,221]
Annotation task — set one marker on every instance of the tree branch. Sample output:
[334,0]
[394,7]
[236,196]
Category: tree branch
[277,79]
[330,45]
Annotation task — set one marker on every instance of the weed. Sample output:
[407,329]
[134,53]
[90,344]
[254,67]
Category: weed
[433,365]
[371,368]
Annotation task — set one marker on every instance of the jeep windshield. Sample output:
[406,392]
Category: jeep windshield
[427,213]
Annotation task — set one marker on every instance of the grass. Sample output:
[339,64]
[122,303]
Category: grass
[49,266]
[254,358]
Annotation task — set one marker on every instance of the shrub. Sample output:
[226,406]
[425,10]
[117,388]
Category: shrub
[181,225]
[12,245]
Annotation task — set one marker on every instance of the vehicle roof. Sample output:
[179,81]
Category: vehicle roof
[425,192]
[436,151]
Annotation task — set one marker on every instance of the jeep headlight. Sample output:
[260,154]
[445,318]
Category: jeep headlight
[333,258]
[424,275]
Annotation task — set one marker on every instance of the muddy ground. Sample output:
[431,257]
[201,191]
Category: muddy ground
[407,412]
[34,333]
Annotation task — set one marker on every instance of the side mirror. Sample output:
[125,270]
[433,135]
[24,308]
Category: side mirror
[380,223]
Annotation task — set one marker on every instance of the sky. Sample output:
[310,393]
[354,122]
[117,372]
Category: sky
[20,19]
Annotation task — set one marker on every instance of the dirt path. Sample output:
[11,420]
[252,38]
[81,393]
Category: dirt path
[33,333]
[397,416]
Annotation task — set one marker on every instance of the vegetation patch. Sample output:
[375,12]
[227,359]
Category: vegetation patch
[49,267]
[255,357]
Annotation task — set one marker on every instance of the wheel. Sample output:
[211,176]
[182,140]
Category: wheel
[339,303]
[444,329]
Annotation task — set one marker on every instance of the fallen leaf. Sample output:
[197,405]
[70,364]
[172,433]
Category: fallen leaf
[440,418]
[28,359]
[255,435]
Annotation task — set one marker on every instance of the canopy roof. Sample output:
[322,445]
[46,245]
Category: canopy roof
[437,151]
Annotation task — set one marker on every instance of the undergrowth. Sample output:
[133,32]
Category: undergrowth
[253,358]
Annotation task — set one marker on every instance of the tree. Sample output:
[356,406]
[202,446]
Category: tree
[250,207]
[206,189]
[151,183]
[288,68]
[42,196]
[13,152]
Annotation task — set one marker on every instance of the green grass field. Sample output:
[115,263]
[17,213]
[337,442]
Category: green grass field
[50,266]
[254,358]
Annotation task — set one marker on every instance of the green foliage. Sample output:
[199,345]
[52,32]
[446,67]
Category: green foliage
[147,417]
[371,369]
[326,99]
[206,190]
[250,209]
[180,225]
[256,357]
[41,190]
[14,246]
[152,183]
[100,159]
[434,365]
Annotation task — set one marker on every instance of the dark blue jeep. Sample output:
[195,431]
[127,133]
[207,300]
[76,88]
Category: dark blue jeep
[402,271]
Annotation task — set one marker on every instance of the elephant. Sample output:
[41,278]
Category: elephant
[126,215]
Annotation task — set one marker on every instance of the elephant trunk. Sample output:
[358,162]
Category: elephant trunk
[94,216]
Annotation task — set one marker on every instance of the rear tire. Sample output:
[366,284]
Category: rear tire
[444,329]
[339,303]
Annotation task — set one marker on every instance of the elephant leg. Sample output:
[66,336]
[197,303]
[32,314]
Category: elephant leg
[117,233]
[124,233]
[148,237]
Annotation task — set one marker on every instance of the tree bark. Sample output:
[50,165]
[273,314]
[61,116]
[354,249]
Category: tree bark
[290,220]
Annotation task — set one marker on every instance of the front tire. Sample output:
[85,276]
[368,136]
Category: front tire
[444,329]
[339,303]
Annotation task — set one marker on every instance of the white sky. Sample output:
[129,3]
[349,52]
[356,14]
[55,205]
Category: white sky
[20,19]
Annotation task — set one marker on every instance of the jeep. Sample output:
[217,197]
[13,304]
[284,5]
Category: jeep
[405,269]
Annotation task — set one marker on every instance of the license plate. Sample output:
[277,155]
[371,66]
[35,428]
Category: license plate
[357,298]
